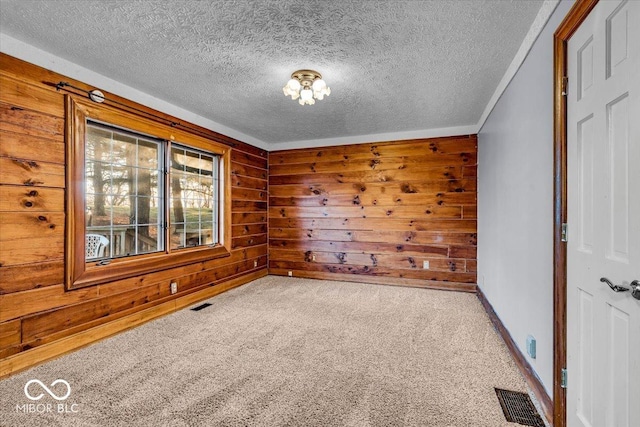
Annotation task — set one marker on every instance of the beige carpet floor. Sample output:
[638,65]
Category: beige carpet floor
[286,352]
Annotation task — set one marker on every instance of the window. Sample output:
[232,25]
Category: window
[123,193]
[143,196]
[194,195]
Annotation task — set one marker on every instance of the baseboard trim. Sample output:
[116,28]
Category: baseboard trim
[523,365]
[379,280]
[30,358]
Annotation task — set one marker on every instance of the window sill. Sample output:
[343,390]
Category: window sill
[117,269]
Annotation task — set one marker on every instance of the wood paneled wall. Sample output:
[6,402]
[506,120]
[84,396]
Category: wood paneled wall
[375,212]
[366,212]
[35,308]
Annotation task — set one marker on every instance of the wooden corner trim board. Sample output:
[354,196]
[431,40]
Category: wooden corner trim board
[578,13]
[525,368]
[29,358]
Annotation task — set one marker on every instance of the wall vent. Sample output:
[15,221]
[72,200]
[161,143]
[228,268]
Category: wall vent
[201,306]
[518,408]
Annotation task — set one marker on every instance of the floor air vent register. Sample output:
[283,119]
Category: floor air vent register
[518,408]
[201,306]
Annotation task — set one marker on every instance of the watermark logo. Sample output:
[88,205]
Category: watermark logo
[58,392]
[47,389]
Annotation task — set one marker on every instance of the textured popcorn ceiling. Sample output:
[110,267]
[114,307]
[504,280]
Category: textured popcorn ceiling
[392,66]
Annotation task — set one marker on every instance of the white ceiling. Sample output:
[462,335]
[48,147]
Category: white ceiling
[393,66]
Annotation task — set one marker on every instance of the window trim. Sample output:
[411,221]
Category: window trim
[78,272]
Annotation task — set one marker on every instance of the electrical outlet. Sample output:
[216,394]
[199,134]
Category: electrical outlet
[531,346]
[174,288]
[313,257]
[291,274]
[425,265]
[255,263]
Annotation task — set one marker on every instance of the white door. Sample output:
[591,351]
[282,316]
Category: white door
[603,160]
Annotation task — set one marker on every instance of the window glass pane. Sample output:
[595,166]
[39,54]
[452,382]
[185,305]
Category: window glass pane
[98,146]
[144,184]
[123,149]
[206,233]
[155,185]
[148,239]
[206,214]
[123,212]
[190,184]
[123,193]
[206,164]
[147,154]
[193,198]
[173,210]
[90,205]
[191,161]
[177,159]
[177,235]
[154,212]
[124,179]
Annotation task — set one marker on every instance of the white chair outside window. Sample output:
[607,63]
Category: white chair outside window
[95,245]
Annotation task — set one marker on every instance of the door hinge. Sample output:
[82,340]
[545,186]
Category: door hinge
[565,86]
[563,235]
[563,378]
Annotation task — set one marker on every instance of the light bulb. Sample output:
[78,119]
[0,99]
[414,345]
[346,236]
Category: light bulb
[306,94]
[319,85]
[320,89]
[294,85]
[292,89]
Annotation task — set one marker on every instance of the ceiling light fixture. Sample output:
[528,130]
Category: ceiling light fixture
[306,86]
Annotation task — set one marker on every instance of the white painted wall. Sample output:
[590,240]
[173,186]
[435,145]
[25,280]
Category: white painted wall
[515,203]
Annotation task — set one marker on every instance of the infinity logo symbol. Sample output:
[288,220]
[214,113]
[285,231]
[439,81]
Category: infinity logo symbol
[52,394]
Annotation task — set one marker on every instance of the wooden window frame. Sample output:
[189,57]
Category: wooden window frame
[79,272]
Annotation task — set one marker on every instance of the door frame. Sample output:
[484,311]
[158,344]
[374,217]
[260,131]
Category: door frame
[578,13]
